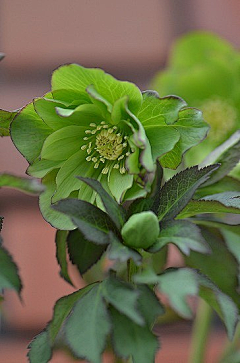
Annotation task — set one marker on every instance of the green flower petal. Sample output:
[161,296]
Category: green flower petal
[28,132]
[66,179]
[159,111]
[63,143]
[57,220]
[100,101]
[78,78]
[162,139]
[119,183]
[119,112]
[192,129]
[71,97]
[41,167]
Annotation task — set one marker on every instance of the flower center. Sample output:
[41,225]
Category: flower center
[109,145]
[221,115]
[105,145]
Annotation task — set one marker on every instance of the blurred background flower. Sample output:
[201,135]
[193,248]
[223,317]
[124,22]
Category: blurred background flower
[204,69]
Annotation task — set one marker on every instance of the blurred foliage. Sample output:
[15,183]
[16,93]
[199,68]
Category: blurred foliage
[205,70]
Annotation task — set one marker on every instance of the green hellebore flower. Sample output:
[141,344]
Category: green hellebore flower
[93,125]
[205,70]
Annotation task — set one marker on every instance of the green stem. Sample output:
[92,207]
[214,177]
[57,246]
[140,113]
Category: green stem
[200,333]
[131,270]
[231,346]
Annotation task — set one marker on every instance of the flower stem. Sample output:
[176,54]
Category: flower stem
[200,333]
[131,270]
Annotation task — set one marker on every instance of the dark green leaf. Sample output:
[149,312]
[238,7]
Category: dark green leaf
[114,210]
[62,310]
[118,251]
[184,234]
[40,349]
[82,253]
[123,297]
[221,303]
[92,221]
[9,277]
[61,254]
[87,327]
[149,305]
[227,154]
[196,207]
[226,184]
[132,340]
[220,266]
[31,186]
[229,199]
[178,191]
[177,284]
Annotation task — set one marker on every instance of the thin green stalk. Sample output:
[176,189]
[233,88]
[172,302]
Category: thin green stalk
[131,270]
[231,346]
[200,333]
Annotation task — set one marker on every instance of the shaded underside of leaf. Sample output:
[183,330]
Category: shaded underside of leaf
[83,253]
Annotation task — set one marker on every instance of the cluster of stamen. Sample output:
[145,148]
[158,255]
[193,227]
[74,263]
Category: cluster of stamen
[105,145]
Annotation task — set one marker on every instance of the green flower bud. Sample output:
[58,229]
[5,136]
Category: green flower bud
[141,230]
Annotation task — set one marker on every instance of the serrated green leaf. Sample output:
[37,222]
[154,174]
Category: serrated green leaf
[221,303]
[123,297]
[82,253]
[215,265]
[184,234]
[43,344]
[9,277]
[132,340]
[118,251]
[61,254]
[31,186]
[178,191]
[226,184]
[87,327]
[114,210]
[40,349]
[178,285]
[6,118]
[91,221]
[149,305]
[62,310]
[227,154]
[229,199]
[196,207]
[231,236]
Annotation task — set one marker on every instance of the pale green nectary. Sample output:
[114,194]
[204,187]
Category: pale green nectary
[93,125]
[141,230]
